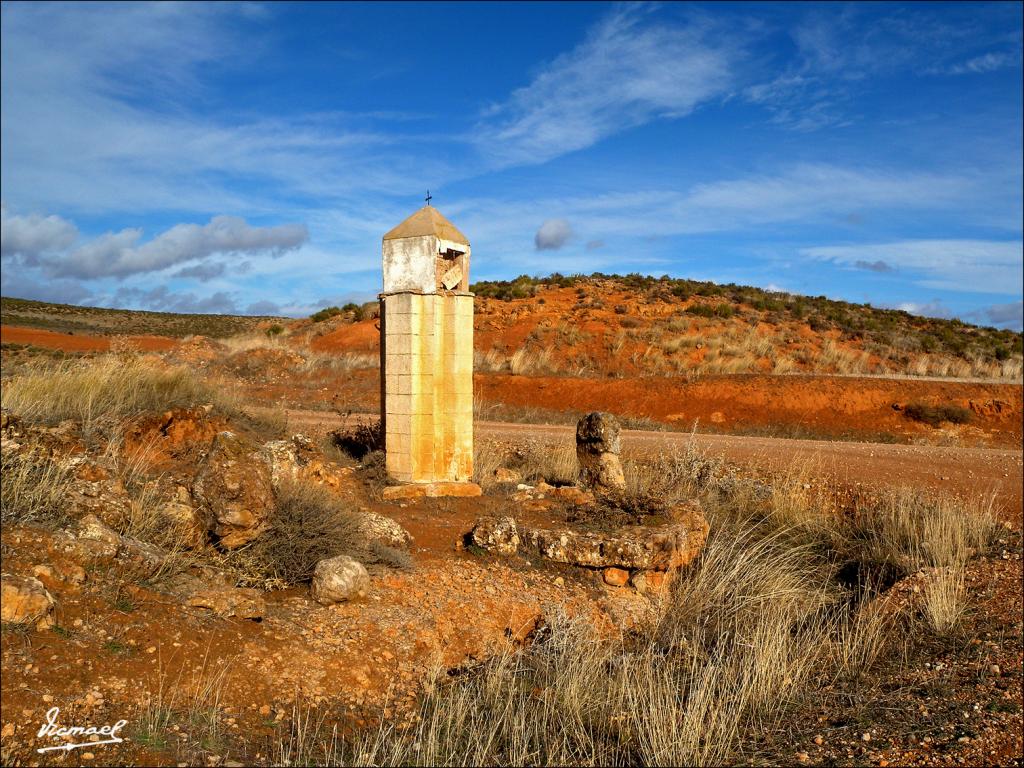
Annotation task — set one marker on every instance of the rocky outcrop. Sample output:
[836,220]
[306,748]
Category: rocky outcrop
[17,437]
[496,534]
[188,524]
[234,486]
[630,550]
[597,451]
[337,579]
[24,600]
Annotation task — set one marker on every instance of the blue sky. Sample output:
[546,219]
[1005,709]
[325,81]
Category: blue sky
[248,157]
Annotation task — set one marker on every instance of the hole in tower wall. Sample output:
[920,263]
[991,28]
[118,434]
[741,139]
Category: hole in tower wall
[451,270]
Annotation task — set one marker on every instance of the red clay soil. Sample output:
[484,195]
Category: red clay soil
[786,405]
[73,342]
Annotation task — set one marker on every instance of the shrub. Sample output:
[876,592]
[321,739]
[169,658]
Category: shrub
[307,526]
[275,330]
[359,440]
[934,415]
[325,314]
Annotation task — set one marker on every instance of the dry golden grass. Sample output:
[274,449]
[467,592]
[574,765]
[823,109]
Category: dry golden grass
[101,393]
[526,361]
[945,599]
[338,361]
[33,491]
[105,390]
[912,530]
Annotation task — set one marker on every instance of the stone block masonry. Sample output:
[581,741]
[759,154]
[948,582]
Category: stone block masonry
[427,351]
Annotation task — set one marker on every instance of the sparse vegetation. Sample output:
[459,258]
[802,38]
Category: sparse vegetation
[325,314]
[856,338]
[98,320]
[934,415]
[33,491]
[104,391]
[309,524]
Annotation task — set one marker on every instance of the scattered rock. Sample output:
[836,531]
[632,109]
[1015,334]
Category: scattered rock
[651,583]
[24,600]
[496,534]
[597,451]
[97,539]
[616,577]
[505,475]
[376,527]
[337,579]
[227,602]
[234,486]
[652,548]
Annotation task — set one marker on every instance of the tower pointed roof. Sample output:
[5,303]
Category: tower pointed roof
[427,221]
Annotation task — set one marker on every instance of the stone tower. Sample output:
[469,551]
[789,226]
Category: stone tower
[427,352]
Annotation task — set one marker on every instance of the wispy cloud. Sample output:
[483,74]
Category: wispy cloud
[99,136]
[163,299]
[628,71]
[842,50]
[933,308]
[988,62]
[985,266]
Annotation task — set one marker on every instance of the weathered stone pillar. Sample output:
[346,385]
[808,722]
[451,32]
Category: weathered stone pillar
[427,355]
[597,451]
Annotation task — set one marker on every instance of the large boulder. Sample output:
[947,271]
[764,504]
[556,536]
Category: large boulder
[24,600]
[234,486]
[337,579]
[597,451]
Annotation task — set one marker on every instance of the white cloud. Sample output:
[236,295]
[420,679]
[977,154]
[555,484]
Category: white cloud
[117,254]
[933,308]
[552,235]
[986,266]
[38,241]
[32,236]
[624,74]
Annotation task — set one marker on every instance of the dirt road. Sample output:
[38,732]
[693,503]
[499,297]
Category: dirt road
[963,471]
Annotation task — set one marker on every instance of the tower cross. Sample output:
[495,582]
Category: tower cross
[428,198]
